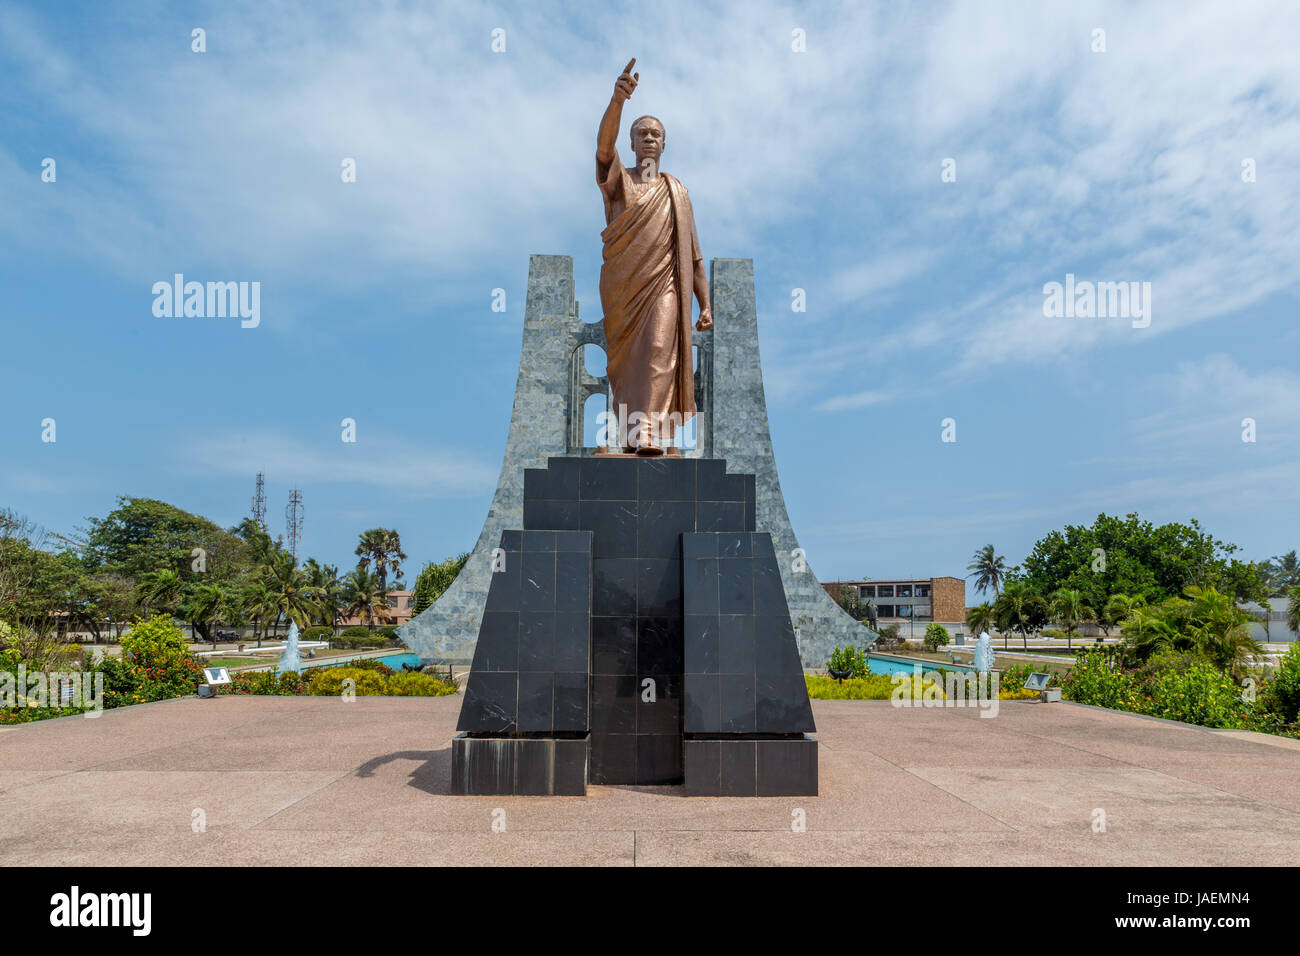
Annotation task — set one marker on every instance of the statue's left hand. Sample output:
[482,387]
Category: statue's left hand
[706,320]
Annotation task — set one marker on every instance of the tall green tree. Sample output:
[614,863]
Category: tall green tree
[160,590]
[981,618]
[330,601]
[261,606]
[1204,622]
[143,535]
[295,597]
[364,597]
[988,568]
[1131,556]
[204,606]
[1282,573]
[432,582]
[382,548]
[1020,608]
[1070,610]
[1119,608]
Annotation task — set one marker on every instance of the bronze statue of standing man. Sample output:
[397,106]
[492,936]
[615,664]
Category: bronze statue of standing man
[652,264]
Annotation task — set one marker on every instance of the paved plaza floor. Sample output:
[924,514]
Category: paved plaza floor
[320,781]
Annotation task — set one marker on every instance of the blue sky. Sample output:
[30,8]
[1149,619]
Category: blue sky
[924,297]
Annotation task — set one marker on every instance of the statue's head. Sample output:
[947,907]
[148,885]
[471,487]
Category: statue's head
[648,139]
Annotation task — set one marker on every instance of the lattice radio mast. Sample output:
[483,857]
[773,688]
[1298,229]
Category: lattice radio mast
[293,522]
[259,501]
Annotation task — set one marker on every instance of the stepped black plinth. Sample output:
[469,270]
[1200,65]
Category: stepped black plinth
[636,632]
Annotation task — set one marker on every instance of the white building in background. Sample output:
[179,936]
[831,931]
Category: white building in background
[1275,610]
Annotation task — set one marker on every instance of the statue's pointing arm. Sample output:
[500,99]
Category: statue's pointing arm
[607,134]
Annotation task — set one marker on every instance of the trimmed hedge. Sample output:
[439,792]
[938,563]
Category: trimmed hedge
[369,682]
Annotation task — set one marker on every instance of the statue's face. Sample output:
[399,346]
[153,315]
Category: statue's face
[648,141]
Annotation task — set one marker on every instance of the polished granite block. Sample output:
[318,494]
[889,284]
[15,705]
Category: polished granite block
[745,707]
[741,662]
[537,766]
[787,768]
[636,511]
[591,632]
[532,660]
[613,758]
[751,767]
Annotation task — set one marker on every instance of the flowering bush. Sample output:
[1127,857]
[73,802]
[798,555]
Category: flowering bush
[1281,693]
[329,682]
[1198,694]
[1093,681]
[415,684]
[265,684]
[155,664]
[849,660]
[936,636]
[870,687]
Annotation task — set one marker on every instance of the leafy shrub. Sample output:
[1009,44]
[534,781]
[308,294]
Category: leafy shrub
[1093,681]
[913,687]
[24,715]
[266,684]
[1014,677]
[387,631]
[329,682]
[1017,694]
[849,660]
[155,664]
[357,636]
[1281,694]
[870,687]
[415,684]
[936,636]
[1199,693]
[318,632]
[155,642]
[371,664]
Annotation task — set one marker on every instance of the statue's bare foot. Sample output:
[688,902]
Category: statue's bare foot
[649,450]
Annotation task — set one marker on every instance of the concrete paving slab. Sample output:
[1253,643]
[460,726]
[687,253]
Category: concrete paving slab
[316,781]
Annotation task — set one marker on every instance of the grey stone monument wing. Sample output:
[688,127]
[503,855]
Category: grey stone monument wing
[547,421]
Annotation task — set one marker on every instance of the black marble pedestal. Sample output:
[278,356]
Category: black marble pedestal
[525,716]
[677,578]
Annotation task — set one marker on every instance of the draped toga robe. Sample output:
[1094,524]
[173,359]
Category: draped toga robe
[646,284]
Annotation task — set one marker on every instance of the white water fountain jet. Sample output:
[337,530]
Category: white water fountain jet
[290,660]
[983,654]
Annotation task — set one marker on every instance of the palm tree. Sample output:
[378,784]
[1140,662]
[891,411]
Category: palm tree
[988,568]
[980,618]
[1218,629]
[1147,630]
[1293,609]
[295,598]
[160,589]
[364,596]
[331,594]
[260,605]
[204,607]
[1206,623]
[1282,573]
[383,548]
[1020,608]
[1119,608]
[1070,610]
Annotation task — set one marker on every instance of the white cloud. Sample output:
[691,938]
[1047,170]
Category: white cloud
[379,460]
[842,403]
